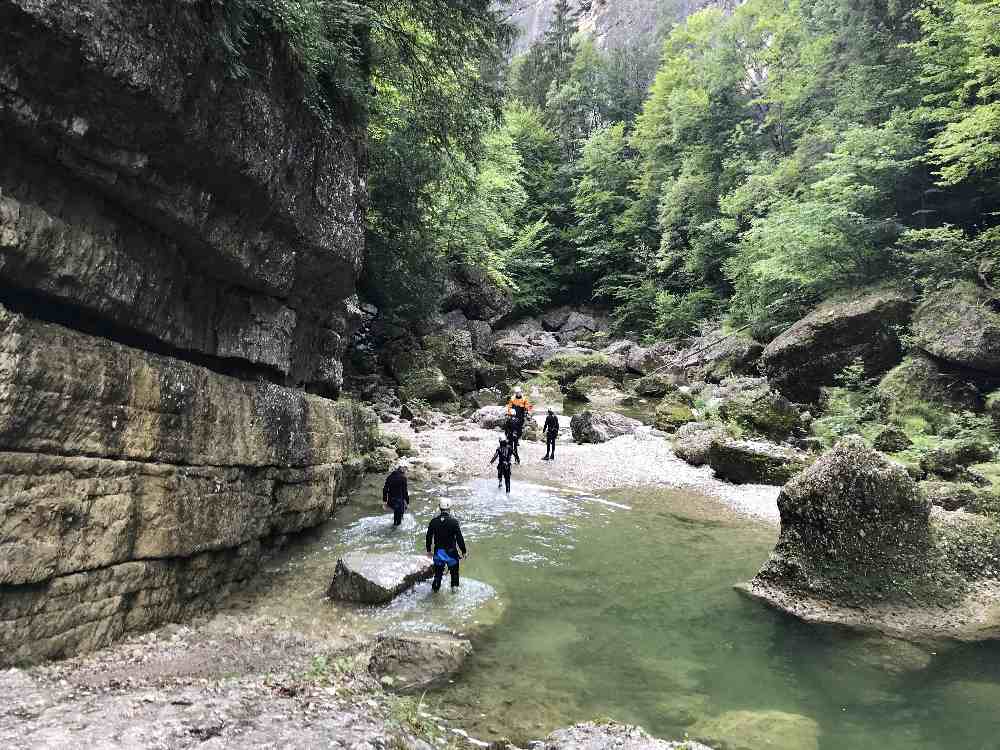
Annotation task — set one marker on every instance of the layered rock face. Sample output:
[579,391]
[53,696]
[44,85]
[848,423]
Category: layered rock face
[178,252]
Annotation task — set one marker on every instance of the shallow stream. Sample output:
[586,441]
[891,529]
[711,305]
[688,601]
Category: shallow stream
[622,606]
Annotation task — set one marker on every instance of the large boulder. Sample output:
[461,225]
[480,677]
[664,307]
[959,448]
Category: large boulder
[565,368]
[949,495]
[693,441]
[762,411]
[471,290]
[815,349]
[606,735]
[673,411]
[755,461]
[656,384]
[524,350]
[490,417]
[960,325]
[852,524]
[601,426]
[918,387]
[370,578]
[408,661]
[645,360]
[595,389]
[950,458]
[718,354]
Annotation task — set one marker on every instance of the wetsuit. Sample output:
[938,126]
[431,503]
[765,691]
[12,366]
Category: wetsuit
[445,533]
[513,432]
[518,409]
[395,495]
[503,456]
[551,430]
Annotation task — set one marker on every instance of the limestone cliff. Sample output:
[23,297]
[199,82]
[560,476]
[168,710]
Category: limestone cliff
[178,253]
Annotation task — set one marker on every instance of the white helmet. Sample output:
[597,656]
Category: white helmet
[518,392]
[444,503]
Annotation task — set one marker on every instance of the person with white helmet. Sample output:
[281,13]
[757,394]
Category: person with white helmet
[444,534]
[518,410]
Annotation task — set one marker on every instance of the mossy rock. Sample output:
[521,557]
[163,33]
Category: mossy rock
[891,440]
[917,387]
[565,368]
[763,411]
[986,502]
[427,384]
[951,456]
[594,387]
[672,412]
[948,495]
[755,462]
[654,385]
[958,325]
[755,730]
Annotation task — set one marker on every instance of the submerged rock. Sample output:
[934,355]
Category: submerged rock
[408,662]
[605,735]
[601,426]
[755,730]
[816,348]
[369,578]
[755,461]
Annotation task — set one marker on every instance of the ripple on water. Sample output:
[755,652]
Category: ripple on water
[421,609]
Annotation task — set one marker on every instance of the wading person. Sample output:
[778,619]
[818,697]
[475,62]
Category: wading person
[519,409]
[445,545]
[502,457]
[395,495]
[551,431]
[513,437]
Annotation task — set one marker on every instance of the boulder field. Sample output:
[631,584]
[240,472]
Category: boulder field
[179,254]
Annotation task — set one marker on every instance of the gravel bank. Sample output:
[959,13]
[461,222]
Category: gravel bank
[641,460]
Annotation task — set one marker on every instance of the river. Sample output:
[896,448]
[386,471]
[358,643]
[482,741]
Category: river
[622,605]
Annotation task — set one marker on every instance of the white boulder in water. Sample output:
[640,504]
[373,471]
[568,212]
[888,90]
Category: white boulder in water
[369,578]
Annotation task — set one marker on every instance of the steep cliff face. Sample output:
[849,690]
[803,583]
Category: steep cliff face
[178,252]
[613,23]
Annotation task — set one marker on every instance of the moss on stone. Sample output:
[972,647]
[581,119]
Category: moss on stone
[672,412]
[565,368]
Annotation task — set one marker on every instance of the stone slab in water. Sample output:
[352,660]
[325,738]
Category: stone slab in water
[369,578]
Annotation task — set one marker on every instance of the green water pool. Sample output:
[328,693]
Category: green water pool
[623,606]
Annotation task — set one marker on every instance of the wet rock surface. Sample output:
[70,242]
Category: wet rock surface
[372,578]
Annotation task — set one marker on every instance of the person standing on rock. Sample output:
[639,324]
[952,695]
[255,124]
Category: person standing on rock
[444,535]
[395,495]
[503,455]
[551,431]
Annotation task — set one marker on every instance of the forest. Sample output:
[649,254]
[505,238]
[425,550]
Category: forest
[753,163]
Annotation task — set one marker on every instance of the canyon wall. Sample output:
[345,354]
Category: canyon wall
[178,253]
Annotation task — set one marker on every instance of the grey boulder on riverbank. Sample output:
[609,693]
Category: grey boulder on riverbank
[368,578]
[601,426]
[405,661]
[754,461]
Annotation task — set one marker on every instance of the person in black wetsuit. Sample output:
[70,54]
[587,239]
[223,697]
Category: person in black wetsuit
[395,495]
[502,457]
[444,536]
[513,431]
[551,432]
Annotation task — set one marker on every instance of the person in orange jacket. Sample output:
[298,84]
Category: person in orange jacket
[518,410]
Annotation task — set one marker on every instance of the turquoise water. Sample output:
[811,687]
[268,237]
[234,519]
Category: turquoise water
[622,606]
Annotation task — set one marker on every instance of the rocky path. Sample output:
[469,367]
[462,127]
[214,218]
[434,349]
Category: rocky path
[461,450]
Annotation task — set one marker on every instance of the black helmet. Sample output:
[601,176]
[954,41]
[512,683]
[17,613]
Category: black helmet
[503,441]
